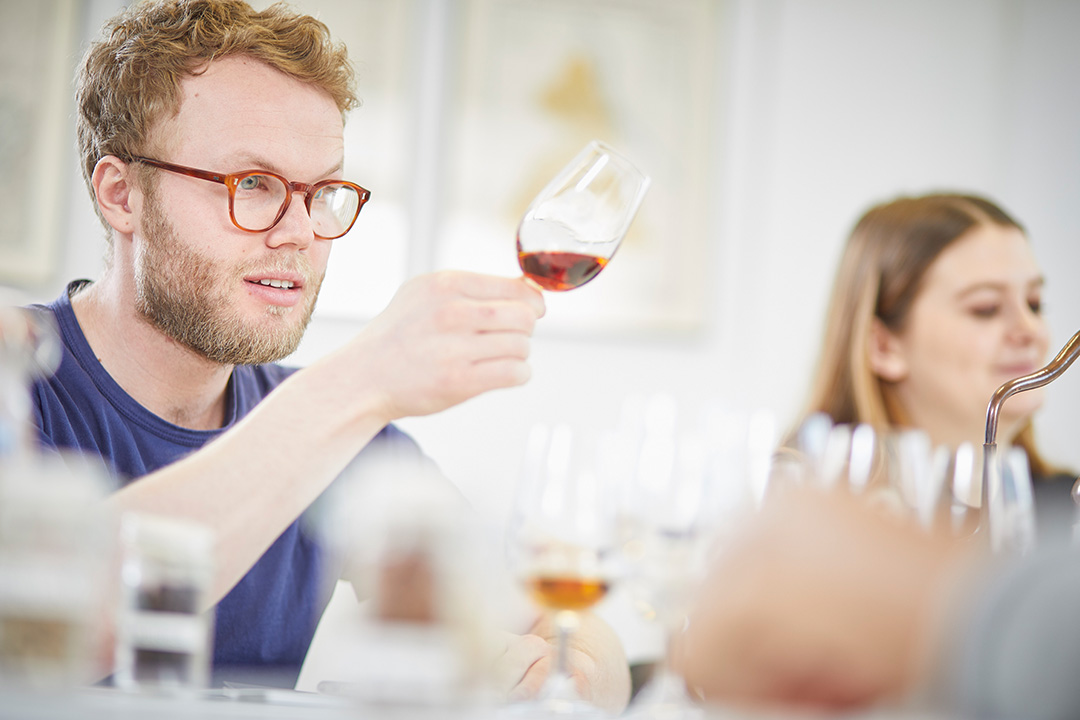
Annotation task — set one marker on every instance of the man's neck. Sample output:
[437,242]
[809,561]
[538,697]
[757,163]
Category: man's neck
[167,378]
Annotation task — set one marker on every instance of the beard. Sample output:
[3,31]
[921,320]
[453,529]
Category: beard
[187,296]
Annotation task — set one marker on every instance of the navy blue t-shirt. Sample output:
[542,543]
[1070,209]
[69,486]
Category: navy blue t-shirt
[265,624]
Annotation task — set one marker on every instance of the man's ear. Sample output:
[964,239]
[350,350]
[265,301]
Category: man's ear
[886,352]
[113,189]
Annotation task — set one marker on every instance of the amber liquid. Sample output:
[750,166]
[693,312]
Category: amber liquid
[560,270]
[567,593]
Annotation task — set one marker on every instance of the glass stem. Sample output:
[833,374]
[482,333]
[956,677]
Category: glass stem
[566,622]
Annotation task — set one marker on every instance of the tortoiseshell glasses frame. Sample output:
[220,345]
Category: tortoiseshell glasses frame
[258,199]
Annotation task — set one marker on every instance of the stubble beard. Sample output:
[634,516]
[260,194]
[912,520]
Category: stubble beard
[186,296]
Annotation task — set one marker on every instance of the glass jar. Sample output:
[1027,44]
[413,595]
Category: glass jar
[163,632]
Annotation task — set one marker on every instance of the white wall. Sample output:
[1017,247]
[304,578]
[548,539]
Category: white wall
[828,106]
[831,105]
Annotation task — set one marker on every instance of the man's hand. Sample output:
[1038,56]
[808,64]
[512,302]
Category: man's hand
[598,666]
[824,602]
[444,338]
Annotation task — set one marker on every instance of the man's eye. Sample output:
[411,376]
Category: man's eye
[250,182]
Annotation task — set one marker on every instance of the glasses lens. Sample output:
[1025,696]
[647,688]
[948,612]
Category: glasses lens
[257,201]
[333,210]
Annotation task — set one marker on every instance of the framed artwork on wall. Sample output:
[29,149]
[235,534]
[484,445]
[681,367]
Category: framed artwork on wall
[37,40]
[534,81]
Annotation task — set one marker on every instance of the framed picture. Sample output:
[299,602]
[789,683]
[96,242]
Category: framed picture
[37,40]
[535,81]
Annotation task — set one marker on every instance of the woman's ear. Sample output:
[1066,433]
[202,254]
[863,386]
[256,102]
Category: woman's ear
[113,189]
[886,351]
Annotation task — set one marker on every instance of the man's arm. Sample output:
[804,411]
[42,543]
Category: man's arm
[443,339]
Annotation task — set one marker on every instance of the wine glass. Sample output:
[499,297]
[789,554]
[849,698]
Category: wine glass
[1011,503]
[562,546]
[574,226]
[666,534]
[693,484]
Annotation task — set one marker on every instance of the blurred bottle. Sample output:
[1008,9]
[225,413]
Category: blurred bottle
[54,531]
[163,637]
[424,633]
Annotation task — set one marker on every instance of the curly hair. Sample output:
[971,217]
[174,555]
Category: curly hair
[130,79]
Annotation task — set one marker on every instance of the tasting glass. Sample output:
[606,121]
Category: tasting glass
[574,226]
[666,531]
[831,455]
[562,545]
[695,479]
[1011,505]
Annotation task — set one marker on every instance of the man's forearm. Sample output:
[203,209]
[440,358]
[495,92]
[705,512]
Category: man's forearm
[252,482]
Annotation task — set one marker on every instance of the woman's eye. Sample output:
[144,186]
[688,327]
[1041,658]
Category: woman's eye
[985,311]
[1036,306]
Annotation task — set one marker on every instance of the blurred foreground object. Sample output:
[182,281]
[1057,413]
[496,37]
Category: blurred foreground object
[54,539]
[422,636]
[163,641]
[825,602]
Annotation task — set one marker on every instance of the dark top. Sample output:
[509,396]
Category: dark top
[265,624]
[1055,511]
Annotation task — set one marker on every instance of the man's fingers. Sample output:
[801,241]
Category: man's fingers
[499,346]
[513,667]
[529,686]
[491,287]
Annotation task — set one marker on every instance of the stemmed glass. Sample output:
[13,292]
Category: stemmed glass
[562,546]
[670,546]
[574,226]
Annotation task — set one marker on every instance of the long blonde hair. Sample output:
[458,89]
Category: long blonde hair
[880,274]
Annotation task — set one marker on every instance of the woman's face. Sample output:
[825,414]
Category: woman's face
[975,324]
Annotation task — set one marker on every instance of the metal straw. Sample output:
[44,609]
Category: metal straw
[1037,379]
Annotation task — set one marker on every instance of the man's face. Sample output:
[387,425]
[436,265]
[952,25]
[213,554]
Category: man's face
[235,297]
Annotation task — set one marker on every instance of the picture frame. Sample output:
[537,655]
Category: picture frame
[535,81]
[37,41]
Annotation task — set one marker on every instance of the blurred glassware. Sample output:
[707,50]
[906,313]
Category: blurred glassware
[55,552]
[164,634]
[1012,505]
[29,350]
[55,539]
[425,632]
[693,484]
[563,546]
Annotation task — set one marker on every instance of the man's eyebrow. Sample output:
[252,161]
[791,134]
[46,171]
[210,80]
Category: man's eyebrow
[258,162]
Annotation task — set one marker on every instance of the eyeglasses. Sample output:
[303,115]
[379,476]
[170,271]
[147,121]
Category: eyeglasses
[258,199]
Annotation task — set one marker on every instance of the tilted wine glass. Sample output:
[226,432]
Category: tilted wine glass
[574,226]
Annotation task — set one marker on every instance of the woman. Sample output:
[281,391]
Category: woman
[936,304]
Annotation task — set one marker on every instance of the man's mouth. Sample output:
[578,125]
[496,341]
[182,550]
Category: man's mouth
[287,284]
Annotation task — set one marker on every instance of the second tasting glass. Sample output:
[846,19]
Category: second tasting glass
[562,547]
[574,226]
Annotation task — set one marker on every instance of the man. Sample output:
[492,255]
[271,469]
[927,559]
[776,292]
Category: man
[212,143]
